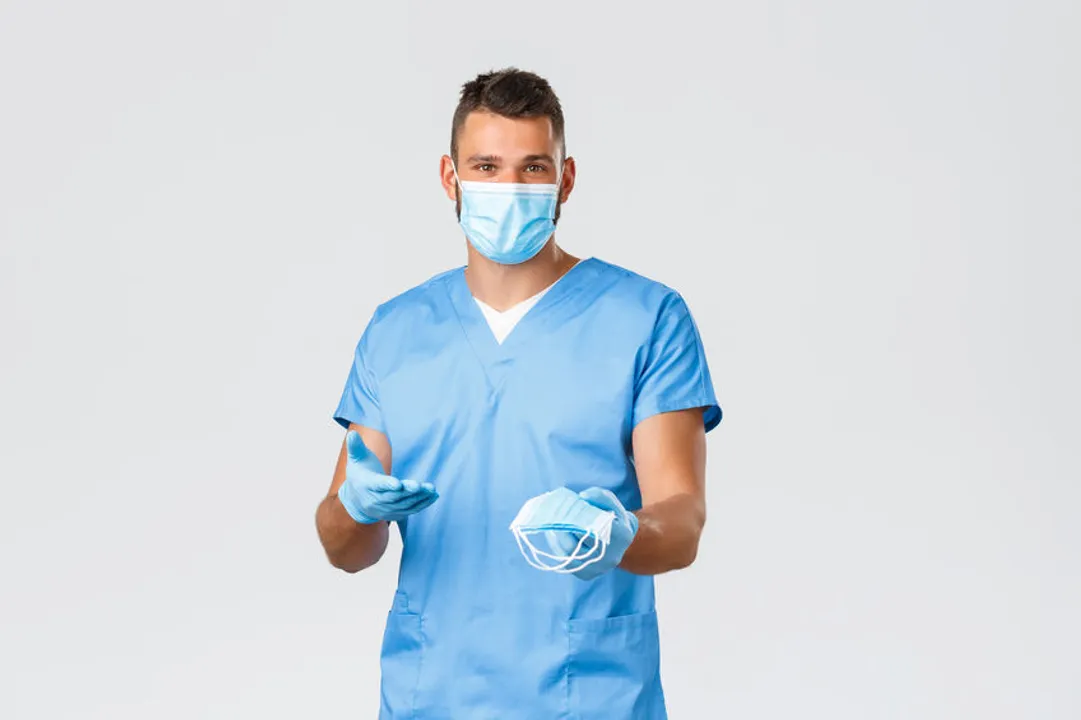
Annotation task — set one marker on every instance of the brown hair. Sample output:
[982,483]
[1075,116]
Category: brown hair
[512,93]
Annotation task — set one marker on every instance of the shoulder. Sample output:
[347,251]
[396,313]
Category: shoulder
[403,311]
[394,322]
[635,292]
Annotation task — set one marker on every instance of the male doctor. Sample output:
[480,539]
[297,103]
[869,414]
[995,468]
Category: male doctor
[534,424]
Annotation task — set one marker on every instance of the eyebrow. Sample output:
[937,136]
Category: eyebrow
[473,159]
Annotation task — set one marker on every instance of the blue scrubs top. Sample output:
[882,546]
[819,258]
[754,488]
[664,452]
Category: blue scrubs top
[473,631]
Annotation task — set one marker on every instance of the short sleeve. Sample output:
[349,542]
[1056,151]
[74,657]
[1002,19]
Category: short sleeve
[675,374]
[359,403]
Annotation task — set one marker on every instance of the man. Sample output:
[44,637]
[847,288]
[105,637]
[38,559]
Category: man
[530,397]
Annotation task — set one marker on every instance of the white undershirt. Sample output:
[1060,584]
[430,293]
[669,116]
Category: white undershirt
[502,323]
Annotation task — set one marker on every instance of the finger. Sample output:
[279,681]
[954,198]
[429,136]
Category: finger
[414,486]
[423,503]
[357,449]
[385,484]
[603,499]
[411,487]
[411,504]
[359,452]
[405,499]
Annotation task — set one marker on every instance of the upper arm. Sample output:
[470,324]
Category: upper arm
[375,441]
[670,456]
[674,407]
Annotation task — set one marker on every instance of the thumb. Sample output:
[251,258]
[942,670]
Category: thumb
[605,500]
[359,452]
[602,498]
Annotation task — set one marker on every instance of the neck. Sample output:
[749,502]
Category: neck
[503,286]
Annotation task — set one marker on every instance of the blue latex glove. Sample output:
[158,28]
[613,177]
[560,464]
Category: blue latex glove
[624,529]
[369,495]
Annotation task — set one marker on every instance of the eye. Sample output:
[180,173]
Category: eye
[484,168]
[534,168]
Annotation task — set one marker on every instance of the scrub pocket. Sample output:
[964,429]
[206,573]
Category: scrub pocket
[403,644]
[614,668]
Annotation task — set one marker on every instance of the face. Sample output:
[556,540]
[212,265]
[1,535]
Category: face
[493,148]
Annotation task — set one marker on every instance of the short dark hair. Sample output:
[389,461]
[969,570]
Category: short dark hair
[512,93]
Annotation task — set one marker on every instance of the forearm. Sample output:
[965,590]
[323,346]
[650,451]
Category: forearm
[667,537]
[349,545]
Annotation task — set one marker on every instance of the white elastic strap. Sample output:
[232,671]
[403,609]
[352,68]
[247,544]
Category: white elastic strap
[595,553]
[564,559]
[567,564]
[456,178]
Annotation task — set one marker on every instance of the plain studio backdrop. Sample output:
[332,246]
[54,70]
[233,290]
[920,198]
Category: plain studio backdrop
[873,210]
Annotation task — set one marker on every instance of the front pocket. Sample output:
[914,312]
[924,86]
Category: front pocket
[614,668]
[400,664]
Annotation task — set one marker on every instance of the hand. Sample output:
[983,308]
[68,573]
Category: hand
[624,529]
[369,495]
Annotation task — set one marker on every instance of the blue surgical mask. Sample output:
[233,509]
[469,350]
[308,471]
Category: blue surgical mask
[562,511]
[507,223]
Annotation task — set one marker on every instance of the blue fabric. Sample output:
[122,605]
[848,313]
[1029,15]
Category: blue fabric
[359,402]
[369,495]
[473,631]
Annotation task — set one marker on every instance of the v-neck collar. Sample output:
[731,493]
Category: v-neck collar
[519,308]
[496,357]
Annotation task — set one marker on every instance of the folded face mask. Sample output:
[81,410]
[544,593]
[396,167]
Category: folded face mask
[568,522]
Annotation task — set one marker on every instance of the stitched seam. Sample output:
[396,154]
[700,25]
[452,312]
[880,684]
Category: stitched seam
[567,674]
[420,668]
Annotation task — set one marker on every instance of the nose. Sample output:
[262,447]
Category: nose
[512,175]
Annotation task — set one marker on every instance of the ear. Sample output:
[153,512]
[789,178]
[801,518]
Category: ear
[570,169]
[446,177]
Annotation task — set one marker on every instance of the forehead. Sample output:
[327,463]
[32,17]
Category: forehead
[490,134]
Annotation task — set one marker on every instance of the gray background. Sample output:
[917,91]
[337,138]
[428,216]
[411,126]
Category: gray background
[872,208]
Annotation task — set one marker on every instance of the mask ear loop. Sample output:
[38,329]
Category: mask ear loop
[564,559]
[456,178]
[531,555]
[600,546]
[595,553]
[559,190]
[575,562]
[461,190]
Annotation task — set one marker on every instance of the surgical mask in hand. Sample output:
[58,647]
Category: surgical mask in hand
[586,531]
[507,223]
